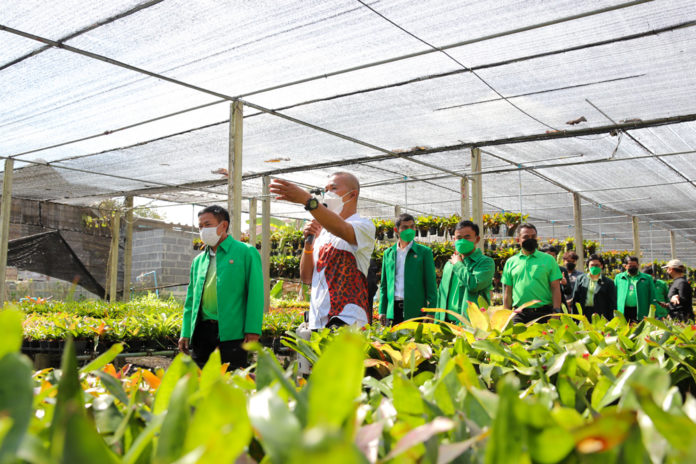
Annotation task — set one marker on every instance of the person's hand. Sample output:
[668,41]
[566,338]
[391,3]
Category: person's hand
[251,338]
[564,281]
[184,345]
[288,191]
[663,304]
[312,228]
[383,319]
[456,258]
[675,300]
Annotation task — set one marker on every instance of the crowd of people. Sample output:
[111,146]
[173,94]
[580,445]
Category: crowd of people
[224,302]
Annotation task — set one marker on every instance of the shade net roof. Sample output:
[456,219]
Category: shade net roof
[133,97]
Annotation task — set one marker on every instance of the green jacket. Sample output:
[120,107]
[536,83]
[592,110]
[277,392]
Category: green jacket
[239,290]
[474,278]
[645,296]
[420,286]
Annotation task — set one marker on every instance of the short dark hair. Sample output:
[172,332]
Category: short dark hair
[219,212]
[570,255]
[470,224]
[526,225]
[404,217]
[595,257]
[629,259]
[549,249]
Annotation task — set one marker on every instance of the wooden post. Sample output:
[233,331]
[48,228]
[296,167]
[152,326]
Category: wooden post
[128,251]
[266,242]
[579,246]
[234,180]
[636,237]
[477,190]
[672,245]
[252,221]
[465,210]
[5,211]
[113,270]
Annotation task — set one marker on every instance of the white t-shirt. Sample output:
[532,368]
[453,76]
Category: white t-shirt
[339,281]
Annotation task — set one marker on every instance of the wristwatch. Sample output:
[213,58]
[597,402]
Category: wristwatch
[311,204]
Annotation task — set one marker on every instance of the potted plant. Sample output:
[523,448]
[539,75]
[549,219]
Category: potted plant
[452,222]
[422,222]
[389,228]
[441,226]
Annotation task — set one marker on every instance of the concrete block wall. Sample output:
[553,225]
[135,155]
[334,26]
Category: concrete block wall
[167,251]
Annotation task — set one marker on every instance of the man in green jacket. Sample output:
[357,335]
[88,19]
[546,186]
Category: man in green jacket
[408,276]
[635,291]
[224,300]
[467,276]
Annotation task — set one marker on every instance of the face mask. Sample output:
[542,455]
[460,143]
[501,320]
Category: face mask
[530,244]
[407,235]
[209,236]
[333,202]
[595,270]
[464,247]
[570,267]
[633,270]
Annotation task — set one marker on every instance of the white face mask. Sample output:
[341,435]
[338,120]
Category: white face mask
[209,236]
[333,202]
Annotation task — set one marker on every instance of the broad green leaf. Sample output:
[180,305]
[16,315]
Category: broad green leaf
[482,303]
[467,374]
[407,397]
[501,318]
[68,400]
[211,372]
[679,430]
[104,359]
[220,424]
[550,444]
[332,401]
[16,392]
[181,366]
[506,442]
[278,428]
[420,435]
[83,443]
[144,440]
[10,331]
[170,445]
[113,386]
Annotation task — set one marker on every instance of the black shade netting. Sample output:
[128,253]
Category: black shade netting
[48,253]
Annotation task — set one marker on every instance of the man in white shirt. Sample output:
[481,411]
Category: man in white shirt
[336,259]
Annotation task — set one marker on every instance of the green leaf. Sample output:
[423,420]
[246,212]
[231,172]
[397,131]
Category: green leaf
[170,445]
[68,399]
[211,373]
[10,331]
[104,359]
[331,402]
[506,441]
[278,427]
[181,366]
[83,443]
[277,289]
[16,393]
[113,386]
[220,424]
[407,397]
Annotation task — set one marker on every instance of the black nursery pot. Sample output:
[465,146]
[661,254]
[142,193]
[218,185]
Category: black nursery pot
[495,230]
[390,233]
[423,232]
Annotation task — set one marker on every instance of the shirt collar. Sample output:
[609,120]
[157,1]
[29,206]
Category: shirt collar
[407,249]
[225,244]
[476,255]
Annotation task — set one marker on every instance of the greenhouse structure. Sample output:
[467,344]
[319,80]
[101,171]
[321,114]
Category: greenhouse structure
[576,116]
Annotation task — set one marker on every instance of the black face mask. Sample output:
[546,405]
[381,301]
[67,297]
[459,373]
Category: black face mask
[530,244]
[570,267]
[633,270]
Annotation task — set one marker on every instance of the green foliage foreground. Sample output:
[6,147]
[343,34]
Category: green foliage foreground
[568,391]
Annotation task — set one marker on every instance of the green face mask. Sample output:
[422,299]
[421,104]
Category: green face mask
[464,247]
[595,270]
[407,235]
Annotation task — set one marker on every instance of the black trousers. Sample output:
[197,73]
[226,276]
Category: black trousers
[530,314]
[631,313]
[206,337]
[398,313]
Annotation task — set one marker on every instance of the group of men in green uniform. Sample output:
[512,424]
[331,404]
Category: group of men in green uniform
[225,298]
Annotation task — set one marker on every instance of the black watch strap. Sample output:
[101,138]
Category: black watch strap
[311,204]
